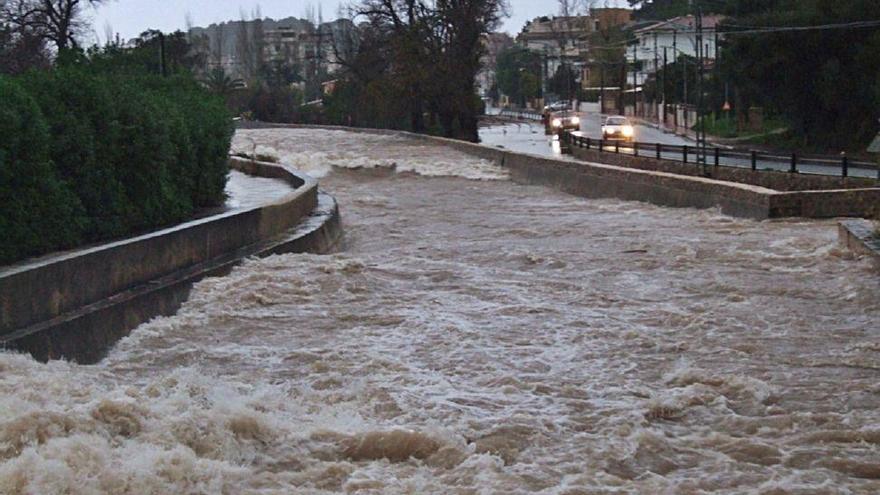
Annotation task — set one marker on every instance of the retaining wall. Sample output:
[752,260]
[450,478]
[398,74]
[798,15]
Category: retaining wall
[739,192]
[75,305]
[860,236]
[777,180]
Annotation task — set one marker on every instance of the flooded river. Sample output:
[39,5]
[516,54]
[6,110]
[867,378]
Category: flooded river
[474,336]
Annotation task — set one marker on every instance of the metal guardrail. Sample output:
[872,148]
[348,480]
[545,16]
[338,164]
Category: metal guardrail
[522,114]
[794,163]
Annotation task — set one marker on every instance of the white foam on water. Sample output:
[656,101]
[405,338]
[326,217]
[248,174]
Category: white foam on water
[318,151]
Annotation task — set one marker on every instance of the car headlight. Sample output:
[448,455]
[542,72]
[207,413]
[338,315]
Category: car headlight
[575,120]
[628,130]
[557,122]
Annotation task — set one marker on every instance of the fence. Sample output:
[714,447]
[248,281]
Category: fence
[807,164]
[521,114]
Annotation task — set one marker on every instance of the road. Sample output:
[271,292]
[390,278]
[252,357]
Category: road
[529,137]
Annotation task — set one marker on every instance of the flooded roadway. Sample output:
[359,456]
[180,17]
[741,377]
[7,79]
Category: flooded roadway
[478,336]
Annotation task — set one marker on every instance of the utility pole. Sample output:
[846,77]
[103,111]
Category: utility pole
[701,121]
[635,80]
[654,104]
[664,86]
[684,97]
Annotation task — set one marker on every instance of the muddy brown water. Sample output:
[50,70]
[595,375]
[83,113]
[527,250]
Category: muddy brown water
[474,336]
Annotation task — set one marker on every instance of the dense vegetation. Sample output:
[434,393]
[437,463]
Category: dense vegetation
[825,84]
[98,147]
[412,65]
[519,75]
[822,83]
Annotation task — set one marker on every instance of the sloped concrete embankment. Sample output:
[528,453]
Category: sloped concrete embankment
[76,305]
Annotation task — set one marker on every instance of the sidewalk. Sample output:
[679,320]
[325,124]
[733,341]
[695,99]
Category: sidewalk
[687,134]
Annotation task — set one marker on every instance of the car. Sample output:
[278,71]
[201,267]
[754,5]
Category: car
[563,121]
[618,127]
[557,106]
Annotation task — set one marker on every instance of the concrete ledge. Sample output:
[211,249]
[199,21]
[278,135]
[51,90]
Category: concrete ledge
[859,236]
[76,305]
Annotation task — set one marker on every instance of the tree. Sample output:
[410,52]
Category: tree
[59,21]
[676,77]
[823,82]
[178,52]
[563,83]
[462,24]
[21,47]
[219,82]
[218,46]
[519,74]
[245,50]
[433,56]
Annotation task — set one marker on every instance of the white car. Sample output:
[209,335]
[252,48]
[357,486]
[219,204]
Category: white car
[618,127]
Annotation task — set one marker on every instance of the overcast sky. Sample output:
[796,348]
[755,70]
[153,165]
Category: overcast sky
[131,17]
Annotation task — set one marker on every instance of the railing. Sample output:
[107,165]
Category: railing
[795,163]
[521,114]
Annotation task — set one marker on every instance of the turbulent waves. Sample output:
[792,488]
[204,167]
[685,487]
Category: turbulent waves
[479,337]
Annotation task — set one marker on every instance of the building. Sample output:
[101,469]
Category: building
[493,44]
[673,38]
[566,40]
[610,17]
[293,42]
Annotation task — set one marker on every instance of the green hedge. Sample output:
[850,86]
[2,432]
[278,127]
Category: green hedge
[87,155]
[38,212]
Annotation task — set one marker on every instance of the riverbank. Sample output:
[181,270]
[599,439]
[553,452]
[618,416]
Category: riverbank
[75,305]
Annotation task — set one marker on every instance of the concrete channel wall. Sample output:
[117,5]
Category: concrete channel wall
[862,237]
[771,179]
[76,305]
[738,192]
[662,183]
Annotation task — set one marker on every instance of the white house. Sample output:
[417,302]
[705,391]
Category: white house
[673,37]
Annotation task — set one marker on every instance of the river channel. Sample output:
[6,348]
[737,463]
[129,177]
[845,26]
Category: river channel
[475,336]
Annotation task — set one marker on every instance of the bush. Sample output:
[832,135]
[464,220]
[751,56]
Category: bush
[38,211]
[131,151]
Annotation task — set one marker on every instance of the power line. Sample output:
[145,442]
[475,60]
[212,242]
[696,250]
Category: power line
[739,29]
[742,30]
[822,27]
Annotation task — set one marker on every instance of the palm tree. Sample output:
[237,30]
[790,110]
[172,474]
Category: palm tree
[218,82]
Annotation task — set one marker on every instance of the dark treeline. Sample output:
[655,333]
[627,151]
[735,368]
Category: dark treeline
[101,143]
[823,83]
[412,65]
